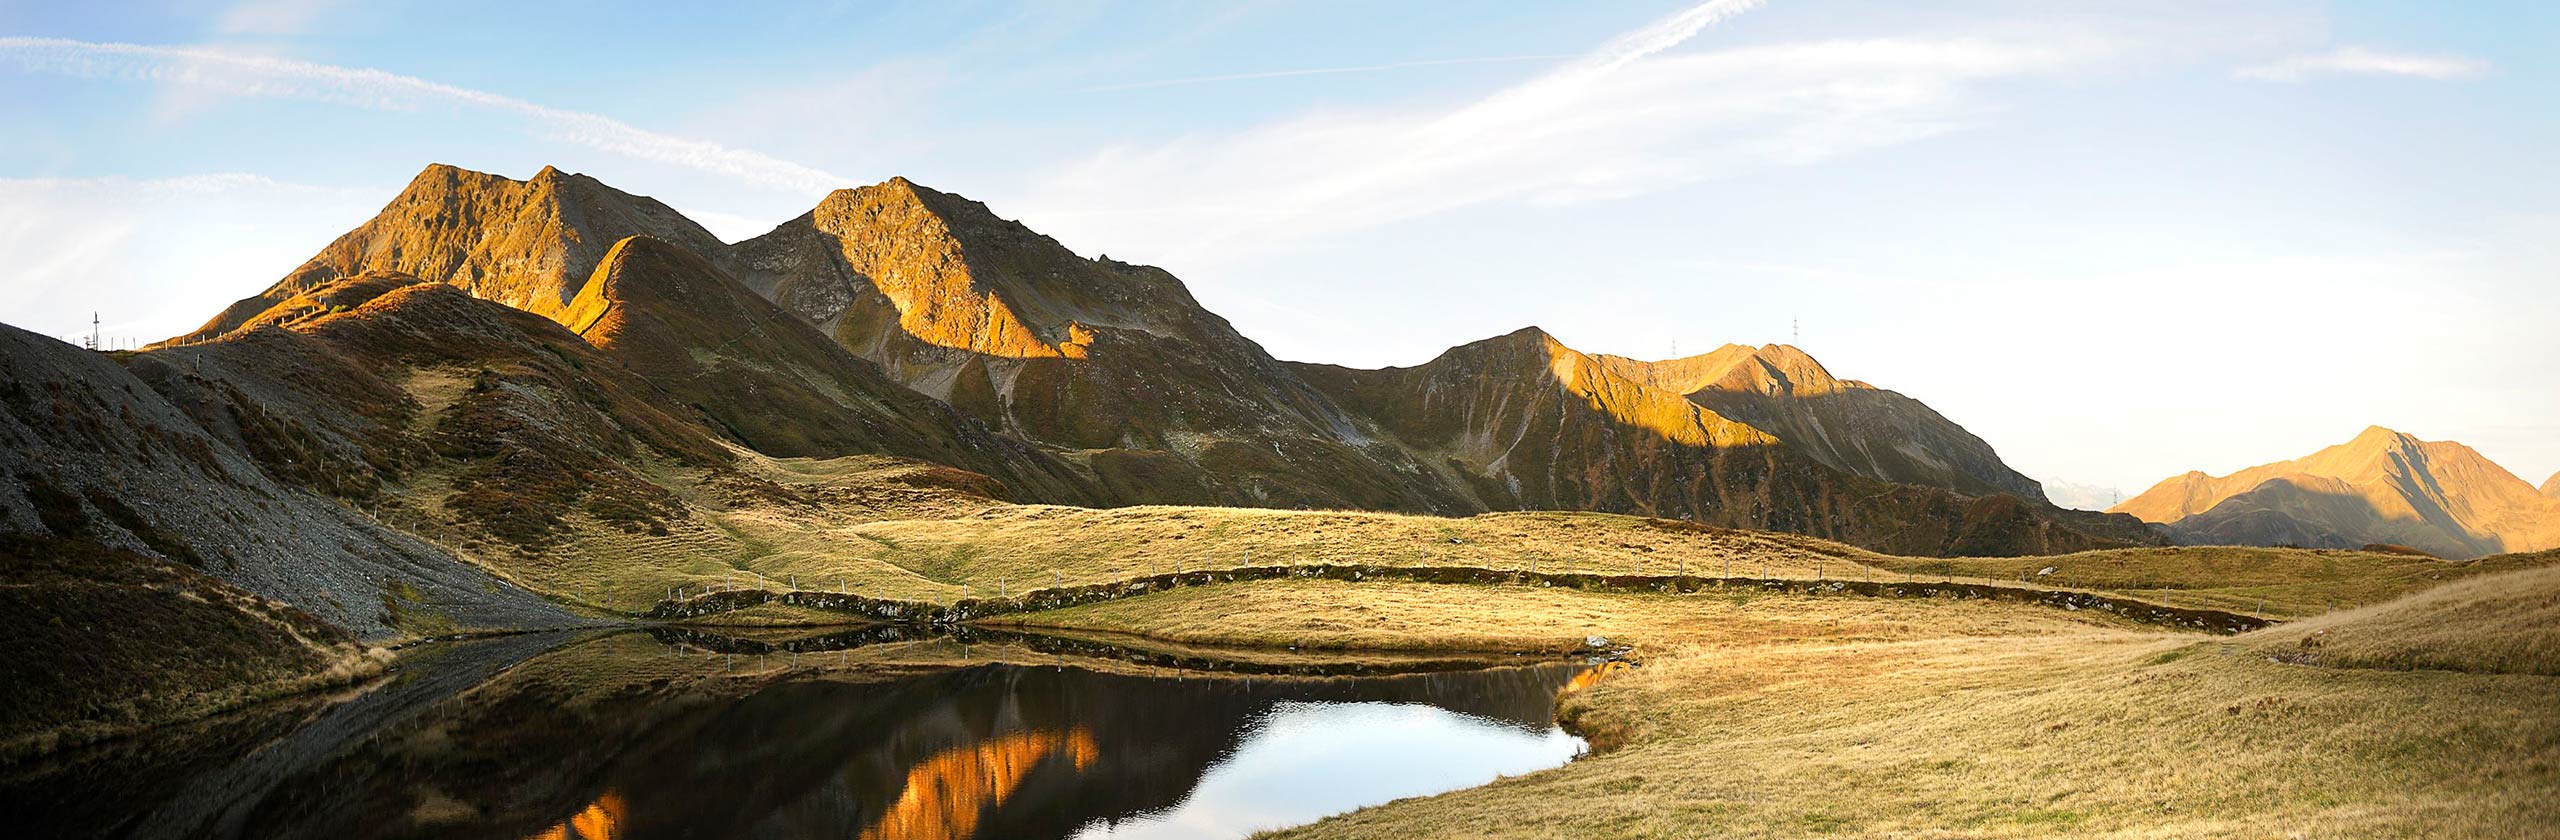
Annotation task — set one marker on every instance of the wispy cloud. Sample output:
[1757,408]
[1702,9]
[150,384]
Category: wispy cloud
[267,76]
[2362,61]
[1623,119]
[1325,71]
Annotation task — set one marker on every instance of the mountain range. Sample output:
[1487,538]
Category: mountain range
[1150,398]
[2383,487]
[495,368]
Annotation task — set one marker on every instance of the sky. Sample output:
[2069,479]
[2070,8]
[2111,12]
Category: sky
[2119,241]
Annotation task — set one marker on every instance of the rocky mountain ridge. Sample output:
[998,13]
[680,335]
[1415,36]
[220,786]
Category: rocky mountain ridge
[1845,424]
[1529,423]
[1107,383]
[502,404]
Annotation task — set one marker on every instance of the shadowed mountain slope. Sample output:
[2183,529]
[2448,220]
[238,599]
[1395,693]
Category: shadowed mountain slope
[1845,424]
[95,454]
[2382,487]
[773,382]
[1529,423]
[527,244]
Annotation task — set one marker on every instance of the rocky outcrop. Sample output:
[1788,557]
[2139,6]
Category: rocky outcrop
[2382,487]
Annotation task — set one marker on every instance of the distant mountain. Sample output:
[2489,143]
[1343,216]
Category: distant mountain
[2551,486]
[1845,424]
[2082,496]
[2381,487]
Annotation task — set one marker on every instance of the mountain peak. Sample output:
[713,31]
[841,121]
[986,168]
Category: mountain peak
[2378,435]
[947,271]
[527,244]
[2551,486]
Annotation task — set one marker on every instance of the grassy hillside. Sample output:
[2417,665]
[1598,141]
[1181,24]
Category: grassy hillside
[1865,717]
[2492,624]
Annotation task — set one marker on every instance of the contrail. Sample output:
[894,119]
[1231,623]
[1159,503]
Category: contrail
[1323,71]
[1619,52]
[252,75]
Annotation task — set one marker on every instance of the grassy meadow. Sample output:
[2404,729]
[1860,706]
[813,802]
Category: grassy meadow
[892,528]
[1845,716]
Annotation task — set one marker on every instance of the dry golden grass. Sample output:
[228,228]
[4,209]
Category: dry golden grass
[2277,582]
[1844,716]
[1340,615]
[887,527]
[864,531]
[1014,546]
[2497,624]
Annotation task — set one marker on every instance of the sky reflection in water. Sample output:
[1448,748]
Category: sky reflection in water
[1305,761]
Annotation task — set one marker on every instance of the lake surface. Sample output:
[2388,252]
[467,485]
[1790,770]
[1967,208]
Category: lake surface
[865,735]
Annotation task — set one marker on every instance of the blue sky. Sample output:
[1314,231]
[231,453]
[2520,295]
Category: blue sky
[2118,240]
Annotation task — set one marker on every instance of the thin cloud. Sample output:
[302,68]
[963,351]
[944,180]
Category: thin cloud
[1324,71]
[2361,61]
[1624,119]
[266,76]
[154,256]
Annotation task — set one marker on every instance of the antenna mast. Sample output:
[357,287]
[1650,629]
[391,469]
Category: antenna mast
[93,330]
[1795,331]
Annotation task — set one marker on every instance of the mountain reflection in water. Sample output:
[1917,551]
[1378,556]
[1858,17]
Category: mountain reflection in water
[622,737]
